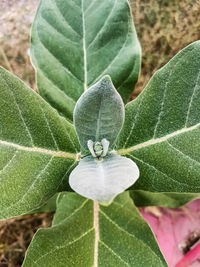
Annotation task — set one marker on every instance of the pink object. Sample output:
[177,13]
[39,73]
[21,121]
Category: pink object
[190,257]
[174,227]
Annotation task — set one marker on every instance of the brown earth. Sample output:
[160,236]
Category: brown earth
[163,26]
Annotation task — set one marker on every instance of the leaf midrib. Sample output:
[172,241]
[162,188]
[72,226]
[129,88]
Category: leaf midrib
[59,154]
[84,47]
[150,142]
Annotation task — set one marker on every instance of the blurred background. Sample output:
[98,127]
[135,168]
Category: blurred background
[164,27]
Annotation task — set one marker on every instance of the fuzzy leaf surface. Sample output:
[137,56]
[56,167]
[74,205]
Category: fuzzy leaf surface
[104,179]
[162,127]
[37,148]
[85,234]
[99,113]
[73,46]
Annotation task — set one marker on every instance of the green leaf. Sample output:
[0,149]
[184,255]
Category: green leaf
[73,46]
[85,234]
[141,198]
[37,148]
[49,206]
[168,199]
[103,179]
[99,113]
[162,127]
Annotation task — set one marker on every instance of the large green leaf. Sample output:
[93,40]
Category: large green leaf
[73,46]
[99,113]
[141,198]
[37,148]
[85,234]
[103,179]
[162,127]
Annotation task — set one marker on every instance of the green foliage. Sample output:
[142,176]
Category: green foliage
[37,148]
[103,175]
[168,199]
[49,206]
[87,234]
[95,113]
[73,46]
[161,130]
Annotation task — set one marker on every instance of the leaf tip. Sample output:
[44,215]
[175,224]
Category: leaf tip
[106,82]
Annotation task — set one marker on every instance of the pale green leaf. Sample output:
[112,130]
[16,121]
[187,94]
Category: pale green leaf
[99,113]
[103,179]
[73,46]
[86,234]
[162,127]
[37,148]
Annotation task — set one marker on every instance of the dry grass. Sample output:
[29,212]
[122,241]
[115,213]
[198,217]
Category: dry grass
[164,27]
[15,236]
[16,17]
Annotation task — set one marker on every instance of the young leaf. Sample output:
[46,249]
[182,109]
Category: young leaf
[37,148]
[73,46]
[99,113]
[162,127]
[103,179]
[86,234]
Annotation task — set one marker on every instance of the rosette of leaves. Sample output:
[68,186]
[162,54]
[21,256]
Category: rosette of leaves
[40,147]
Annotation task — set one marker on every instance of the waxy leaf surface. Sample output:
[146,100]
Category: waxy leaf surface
[37,148]
[103,179]
[99,113]
[86,234]
[73,46]
[162,127]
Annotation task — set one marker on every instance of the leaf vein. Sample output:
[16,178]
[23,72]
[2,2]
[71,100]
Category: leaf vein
[60,154]
[48,24]
[84,47]
[57,59]
[104,24]
[54,84]
[47,123]
[112,251]
[183,154]
[22,200]
[72,214]
[191,100]
[150,142]
[131,235]
[65,245]
[19,110]
[153,167]
[56,8]
[113,60]
[9,162]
